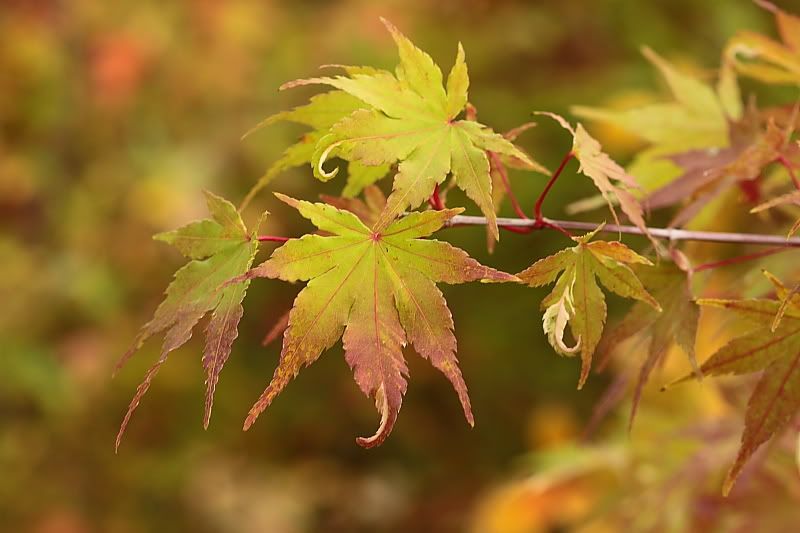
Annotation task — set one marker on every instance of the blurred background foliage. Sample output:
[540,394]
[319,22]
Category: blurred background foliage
[115,115]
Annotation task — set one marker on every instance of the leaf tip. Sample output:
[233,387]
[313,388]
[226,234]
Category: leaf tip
[498,276]
[164,236]
[389,26]
[727,485]
[286,199]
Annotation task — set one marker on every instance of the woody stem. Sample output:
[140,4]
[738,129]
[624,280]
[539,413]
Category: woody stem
[671,234]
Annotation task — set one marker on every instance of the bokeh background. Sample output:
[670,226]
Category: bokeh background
[114,116]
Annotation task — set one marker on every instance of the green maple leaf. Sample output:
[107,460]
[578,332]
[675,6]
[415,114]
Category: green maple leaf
[577,299]
[220,248]
[765,59]
[367,210]
[412,120]
[699,117]
[776,397]
[675,324]
[376,290]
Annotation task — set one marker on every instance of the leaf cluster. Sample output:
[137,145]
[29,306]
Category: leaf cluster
[372,269]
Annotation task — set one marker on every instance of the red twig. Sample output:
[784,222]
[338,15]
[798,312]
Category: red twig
[740,259]
[551,225]
[789,168]
[501,170]
[435,200]
[537,209]
[514,229]
[272,238]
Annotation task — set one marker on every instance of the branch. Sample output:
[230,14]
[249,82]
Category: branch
[661,233]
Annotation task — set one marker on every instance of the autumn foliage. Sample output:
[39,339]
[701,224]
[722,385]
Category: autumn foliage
[372,268]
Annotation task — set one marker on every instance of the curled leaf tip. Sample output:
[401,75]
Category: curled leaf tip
[388,418]
[324,157]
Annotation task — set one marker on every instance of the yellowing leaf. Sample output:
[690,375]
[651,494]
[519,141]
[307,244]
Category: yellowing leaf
[614,184]
[696,119]
[577,299]
[220,248]
[376,290]
[676,324]
[765,59]
[410,119]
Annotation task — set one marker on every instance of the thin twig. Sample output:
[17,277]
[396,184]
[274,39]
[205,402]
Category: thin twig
[435,200]
[671,234]
[272,238]
[739,259]
[501,170]
[537,209]
[789,168]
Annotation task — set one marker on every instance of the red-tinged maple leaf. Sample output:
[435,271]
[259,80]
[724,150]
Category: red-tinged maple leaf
[711,173]
[220,248]
[376,291]
[776,355]
[577,299]
[675,324]
[367,210]
[615,185]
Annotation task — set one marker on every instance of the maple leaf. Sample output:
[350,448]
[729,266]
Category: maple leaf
[577,299]
[710,173]
[322,112]
[220,248]
[411,120]
[765,59]
[376,290]
[697,118]
[367,210]
[614,184]
[776,397]
[675,324]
